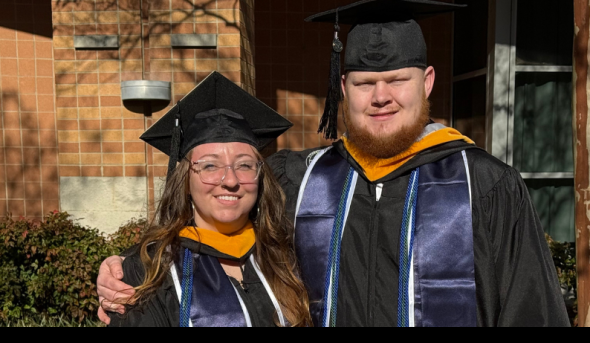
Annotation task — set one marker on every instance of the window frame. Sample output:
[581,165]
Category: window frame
[502,81]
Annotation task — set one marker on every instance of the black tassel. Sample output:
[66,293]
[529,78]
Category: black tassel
[329,121]
[175,145]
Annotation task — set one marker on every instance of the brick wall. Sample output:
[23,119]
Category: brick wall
[69,142]
[292,63]
[231,20]
[28,152]
[98,134]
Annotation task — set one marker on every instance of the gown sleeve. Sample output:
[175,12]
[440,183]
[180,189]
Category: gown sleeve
[529,291]
[289,168]
[160,310]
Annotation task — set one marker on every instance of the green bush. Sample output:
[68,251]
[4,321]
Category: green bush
[564,258]
[48,269]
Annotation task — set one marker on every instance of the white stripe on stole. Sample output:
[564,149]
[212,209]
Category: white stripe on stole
[328,305]
[346,212]
[468,177]
[411,293]
[272,296]
[178,288]
[244,308]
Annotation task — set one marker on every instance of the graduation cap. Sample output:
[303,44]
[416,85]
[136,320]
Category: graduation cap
[216,111]
[384,36]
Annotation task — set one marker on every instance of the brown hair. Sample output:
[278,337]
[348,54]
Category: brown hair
[274,253]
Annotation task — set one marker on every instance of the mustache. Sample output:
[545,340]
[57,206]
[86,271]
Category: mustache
[391,109]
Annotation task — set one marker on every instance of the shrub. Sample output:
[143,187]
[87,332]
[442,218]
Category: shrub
[49,268]
[564,258]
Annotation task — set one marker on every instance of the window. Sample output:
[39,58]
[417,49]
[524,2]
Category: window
[527,86]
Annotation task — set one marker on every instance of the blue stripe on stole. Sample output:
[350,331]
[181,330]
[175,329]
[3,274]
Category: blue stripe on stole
[315,222]
[187,286]
[406,251]
[444,268]
[214,300]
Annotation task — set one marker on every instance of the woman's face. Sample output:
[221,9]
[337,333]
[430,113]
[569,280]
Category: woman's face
[226,207]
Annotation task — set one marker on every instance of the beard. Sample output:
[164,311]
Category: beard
[383,145]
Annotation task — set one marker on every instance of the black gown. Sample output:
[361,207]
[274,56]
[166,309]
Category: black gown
[515,277]
[163,308]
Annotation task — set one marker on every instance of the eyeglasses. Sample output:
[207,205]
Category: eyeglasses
[214,173]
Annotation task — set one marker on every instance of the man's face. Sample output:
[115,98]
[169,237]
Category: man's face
[387,106]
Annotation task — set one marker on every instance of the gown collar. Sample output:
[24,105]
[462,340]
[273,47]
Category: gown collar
[236,247]
[376,169]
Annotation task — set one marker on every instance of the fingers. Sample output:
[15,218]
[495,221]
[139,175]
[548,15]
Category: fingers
[108,306]
[108,284]
[103,316]
[110,288]
[114,265]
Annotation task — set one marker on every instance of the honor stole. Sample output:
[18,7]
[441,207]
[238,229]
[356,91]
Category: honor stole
[207,296]
[437,271]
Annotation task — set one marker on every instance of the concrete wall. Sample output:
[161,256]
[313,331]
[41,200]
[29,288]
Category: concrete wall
[104,202]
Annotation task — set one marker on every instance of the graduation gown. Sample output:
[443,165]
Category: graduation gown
[516,281]
[163,308]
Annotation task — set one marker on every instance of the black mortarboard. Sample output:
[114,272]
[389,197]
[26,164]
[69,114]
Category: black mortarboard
[384,36]
[216,111]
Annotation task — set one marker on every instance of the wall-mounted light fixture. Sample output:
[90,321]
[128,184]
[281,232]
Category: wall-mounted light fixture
[146,97]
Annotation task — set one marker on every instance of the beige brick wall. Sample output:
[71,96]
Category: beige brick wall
[94,129]
[98,136]
[185,68]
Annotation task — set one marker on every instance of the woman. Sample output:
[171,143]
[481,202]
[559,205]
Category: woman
[221,253]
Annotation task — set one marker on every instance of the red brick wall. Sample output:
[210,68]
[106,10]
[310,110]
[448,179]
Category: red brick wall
[28,152]
[292,61]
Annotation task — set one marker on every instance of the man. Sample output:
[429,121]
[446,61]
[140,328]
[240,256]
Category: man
[404,222]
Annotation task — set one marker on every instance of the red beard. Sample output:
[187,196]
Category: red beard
[386,146]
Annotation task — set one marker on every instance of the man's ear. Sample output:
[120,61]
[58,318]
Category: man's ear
[429,77]
[343,84]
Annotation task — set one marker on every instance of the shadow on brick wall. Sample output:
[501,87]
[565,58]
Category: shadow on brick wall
[157,22]
[29,179]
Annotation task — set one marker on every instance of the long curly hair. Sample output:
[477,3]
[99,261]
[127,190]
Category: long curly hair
[274,253]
